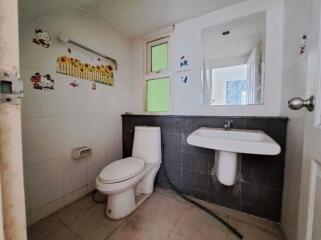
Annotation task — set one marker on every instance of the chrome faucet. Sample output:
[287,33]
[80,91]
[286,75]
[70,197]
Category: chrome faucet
[228,124]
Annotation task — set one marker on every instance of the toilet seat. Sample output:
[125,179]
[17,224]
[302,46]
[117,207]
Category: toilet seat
[121,170]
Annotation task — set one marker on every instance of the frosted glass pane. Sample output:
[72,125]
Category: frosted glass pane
[159,57]
[158,95]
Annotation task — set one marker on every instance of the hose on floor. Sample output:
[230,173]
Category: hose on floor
[181,194]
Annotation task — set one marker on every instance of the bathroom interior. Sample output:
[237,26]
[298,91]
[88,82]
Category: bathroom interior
[170,120]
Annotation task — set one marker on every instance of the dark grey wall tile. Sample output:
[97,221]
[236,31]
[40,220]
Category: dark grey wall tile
[196,162]
[219,189]
[257,195]
[127,144]
[275,128]
[272,214]
[139,121]
[258,190]
[191,124]
[195,180]
[193,149]
[260,172]
[193,192]
[174,174]
[172,142]
[225,201]
[172,124]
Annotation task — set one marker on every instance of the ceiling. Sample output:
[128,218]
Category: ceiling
[132,17]
[40,8]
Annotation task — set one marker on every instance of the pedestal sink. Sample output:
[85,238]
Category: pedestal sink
[228,144]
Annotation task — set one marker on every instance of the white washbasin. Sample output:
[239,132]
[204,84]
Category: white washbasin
[234,140]
[228,144]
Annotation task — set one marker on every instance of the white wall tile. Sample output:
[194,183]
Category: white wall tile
[45,211]
[41,102]
[45,183]
[100,130]
[74,174]
[56,121]
[74,133]
[97,162]
[75,195]
[42,141]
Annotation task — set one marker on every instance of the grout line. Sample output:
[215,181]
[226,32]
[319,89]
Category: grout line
[115,229]
[70,229]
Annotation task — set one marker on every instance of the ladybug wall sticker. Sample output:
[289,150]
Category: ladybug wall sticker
[42,82]
[41,38]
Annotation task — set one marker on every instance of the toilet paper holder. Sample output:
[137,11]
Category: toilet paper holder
[81,152]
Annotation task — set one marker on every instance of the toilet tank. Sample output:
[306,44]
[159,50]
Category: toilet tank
[147,144]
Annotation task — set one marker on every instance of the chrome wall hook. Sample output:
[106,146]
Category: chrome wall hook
[297,103]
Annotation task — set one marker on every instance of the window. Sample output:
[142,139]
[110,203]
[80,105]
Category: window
[229,85]
[159,58]
[158,95]
[157,76]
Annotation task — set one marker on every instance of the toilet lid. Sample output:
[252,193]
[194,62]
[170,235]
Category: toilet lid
[121,170]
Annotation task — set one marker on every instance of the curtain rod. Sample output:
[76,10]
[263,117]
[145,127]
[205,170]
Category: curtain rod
[64,38]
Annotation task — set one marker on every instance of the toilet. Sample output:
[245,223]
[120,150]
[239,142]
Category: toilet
[129,182]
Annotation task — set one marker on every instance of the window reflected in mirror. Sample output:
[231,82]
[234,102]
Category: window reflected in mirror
[233,61]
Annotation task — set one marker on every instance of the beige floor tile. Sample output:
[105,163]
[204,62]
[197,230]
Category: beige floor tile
[174,195]
[63,234]
[139,229]
[161,210]
[170,193]
[94,225]
[74,210]
[221,211]
[197,225]
[44,228]
[265,225]
[164,216]
[252,220]
[261,223]
[242,217]
[174,236]
[251,232]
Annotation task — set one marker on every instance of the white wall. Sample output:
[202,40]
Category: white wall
[186,41]
[296,23]
[55,122]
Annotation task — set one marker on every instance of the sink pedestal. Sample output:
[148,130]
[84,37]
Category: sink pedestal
[226,167]
[227,146]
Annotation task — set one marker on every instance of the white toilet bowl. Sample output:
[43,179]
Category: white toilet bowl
[129,182]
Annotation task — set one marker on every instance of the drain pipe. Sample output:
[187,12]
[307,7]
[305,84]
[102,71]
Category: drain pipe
[200,206]
[12,200]
[12,183]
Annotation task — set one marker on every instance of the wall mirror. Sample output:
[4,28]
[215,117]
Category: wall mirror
[233,55]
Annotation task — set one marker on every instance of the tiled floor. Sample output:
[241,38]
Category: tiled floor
[164,216]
